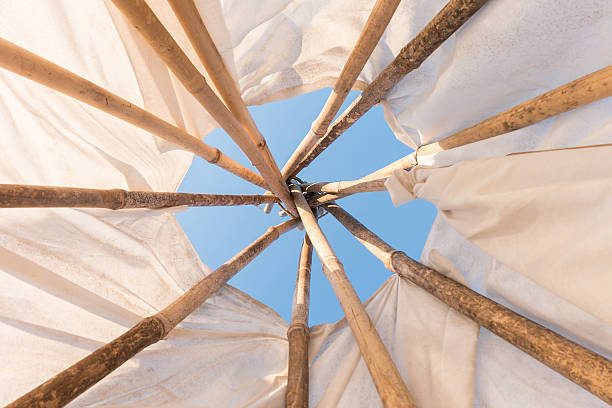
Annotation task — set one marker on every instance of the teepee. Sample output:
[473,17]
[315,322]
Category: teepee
[104,103]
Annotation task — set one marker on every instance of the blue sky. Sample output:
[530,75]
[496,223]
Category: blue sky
[217,233]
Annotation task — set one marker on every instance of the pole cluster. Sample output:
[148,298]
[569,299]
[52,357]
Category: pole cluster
[582,366]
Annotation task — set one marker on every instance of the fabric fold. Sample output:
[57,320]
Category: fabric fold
[433,346]
[526,210]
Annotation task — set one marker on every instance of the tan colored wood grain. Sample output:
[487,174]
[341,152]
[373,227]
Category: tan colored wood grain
[345,187]
[188,15]
[339,189]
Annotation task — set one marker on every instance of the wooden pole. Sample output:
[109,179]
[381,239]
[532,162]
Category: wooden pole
[585,90]
[72,382]
[138,13]
[387,379]
[316,201]
[189,17]
[27,196]
[576,363]
[31,66]
[438,30]
[404,163]
[296,395]
[374,181]
[346,187]
[370,35]
[194,297]
[340,189]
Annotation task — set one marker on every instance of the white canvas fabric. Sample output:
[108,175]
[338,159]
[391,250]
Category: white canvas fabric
[537,226]
[71,280]
[528,210]
[555,256]
[509,52]
[91,275]
[433,347]
[505,376]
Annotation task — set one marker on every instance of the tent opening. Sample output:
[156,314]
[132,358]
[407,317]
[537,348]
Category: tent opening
[218,232]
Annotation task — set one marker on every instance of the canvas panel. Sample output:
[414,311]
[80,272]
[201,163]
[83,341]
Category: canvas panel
[85,276]
[524,209]
[276,51]
[505,376]
[507,53]
[524,216]
[433,347]
[72,280]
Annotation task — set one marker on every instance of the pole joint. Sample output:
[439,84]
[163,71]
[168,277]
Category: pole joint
[298,326]
[162,321]
[217,156]
[120,200]
[388,262]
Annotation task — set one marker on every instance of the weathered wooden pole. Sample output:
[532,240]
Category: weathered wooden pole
[438,30]
[316,201]
[138,13]
[189,17]
[72,382]
[31,66]
[387,379]
[580,365]
[368,39]
[585,90]
[374,181]
[346,187]
[28,196]
[404,163]
[340,189]
[296,395]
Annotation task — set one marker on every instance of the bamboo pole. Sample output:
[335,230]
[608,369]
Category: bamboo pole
[138,13]
[387,379]
[438,30]
[374,181]
[370,35]
[585,90]
[576,363]
[317,201]
[410,160]
[296,395]
[346,187]
[27,196]
[404,163]
[72,382]
[339,189]
[189,17]
[31,66]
